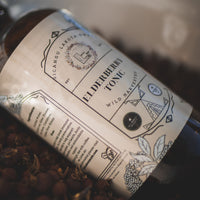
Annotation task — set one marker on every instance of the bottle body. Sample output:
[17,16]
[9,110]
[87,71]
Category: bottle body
[164,172]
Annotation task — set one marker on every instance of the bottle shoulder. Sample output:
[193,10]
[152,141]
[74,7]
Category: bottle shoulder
[21,28]
[14,32]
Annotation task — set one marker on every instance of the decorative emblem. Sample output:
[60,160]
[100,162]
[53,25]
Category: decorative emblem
[81,56]
[108,154]
[154,89]
[132,121]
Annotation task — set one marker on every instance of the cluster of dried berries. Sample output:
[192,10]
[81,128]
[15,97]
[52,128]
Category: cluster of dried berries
[30,169]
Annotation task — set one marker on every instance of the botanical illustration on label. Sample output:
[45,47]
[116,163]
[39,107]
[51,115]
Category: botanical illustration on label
[144,162]
[91,103]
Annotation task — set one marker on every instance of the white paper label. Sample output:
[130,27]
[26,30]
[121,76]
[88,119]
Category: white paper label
[90,102]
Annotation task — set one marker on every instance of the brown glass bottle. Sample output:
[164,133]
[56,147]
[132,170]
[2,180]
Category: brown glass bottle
[177,175]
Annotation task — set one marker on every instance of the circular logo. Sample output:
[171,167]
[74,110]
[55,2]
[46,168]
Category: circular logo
[132,121]
[154,89]
[81,56]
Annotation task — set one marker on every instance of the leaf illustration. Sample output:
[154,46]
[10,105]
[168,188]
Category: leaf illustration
[159,146]
[144,145]
[146,170]
[141,158]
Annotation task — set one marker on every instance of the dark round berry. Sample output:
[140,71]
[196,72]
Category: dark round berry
[35,147]
[23,189]
[5,187]
[54,174]
[59,189]
[44,182]
[74,186]
[9,174]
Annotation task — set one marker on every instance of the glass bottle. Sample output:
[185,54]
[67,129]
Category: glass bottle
[177,174]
